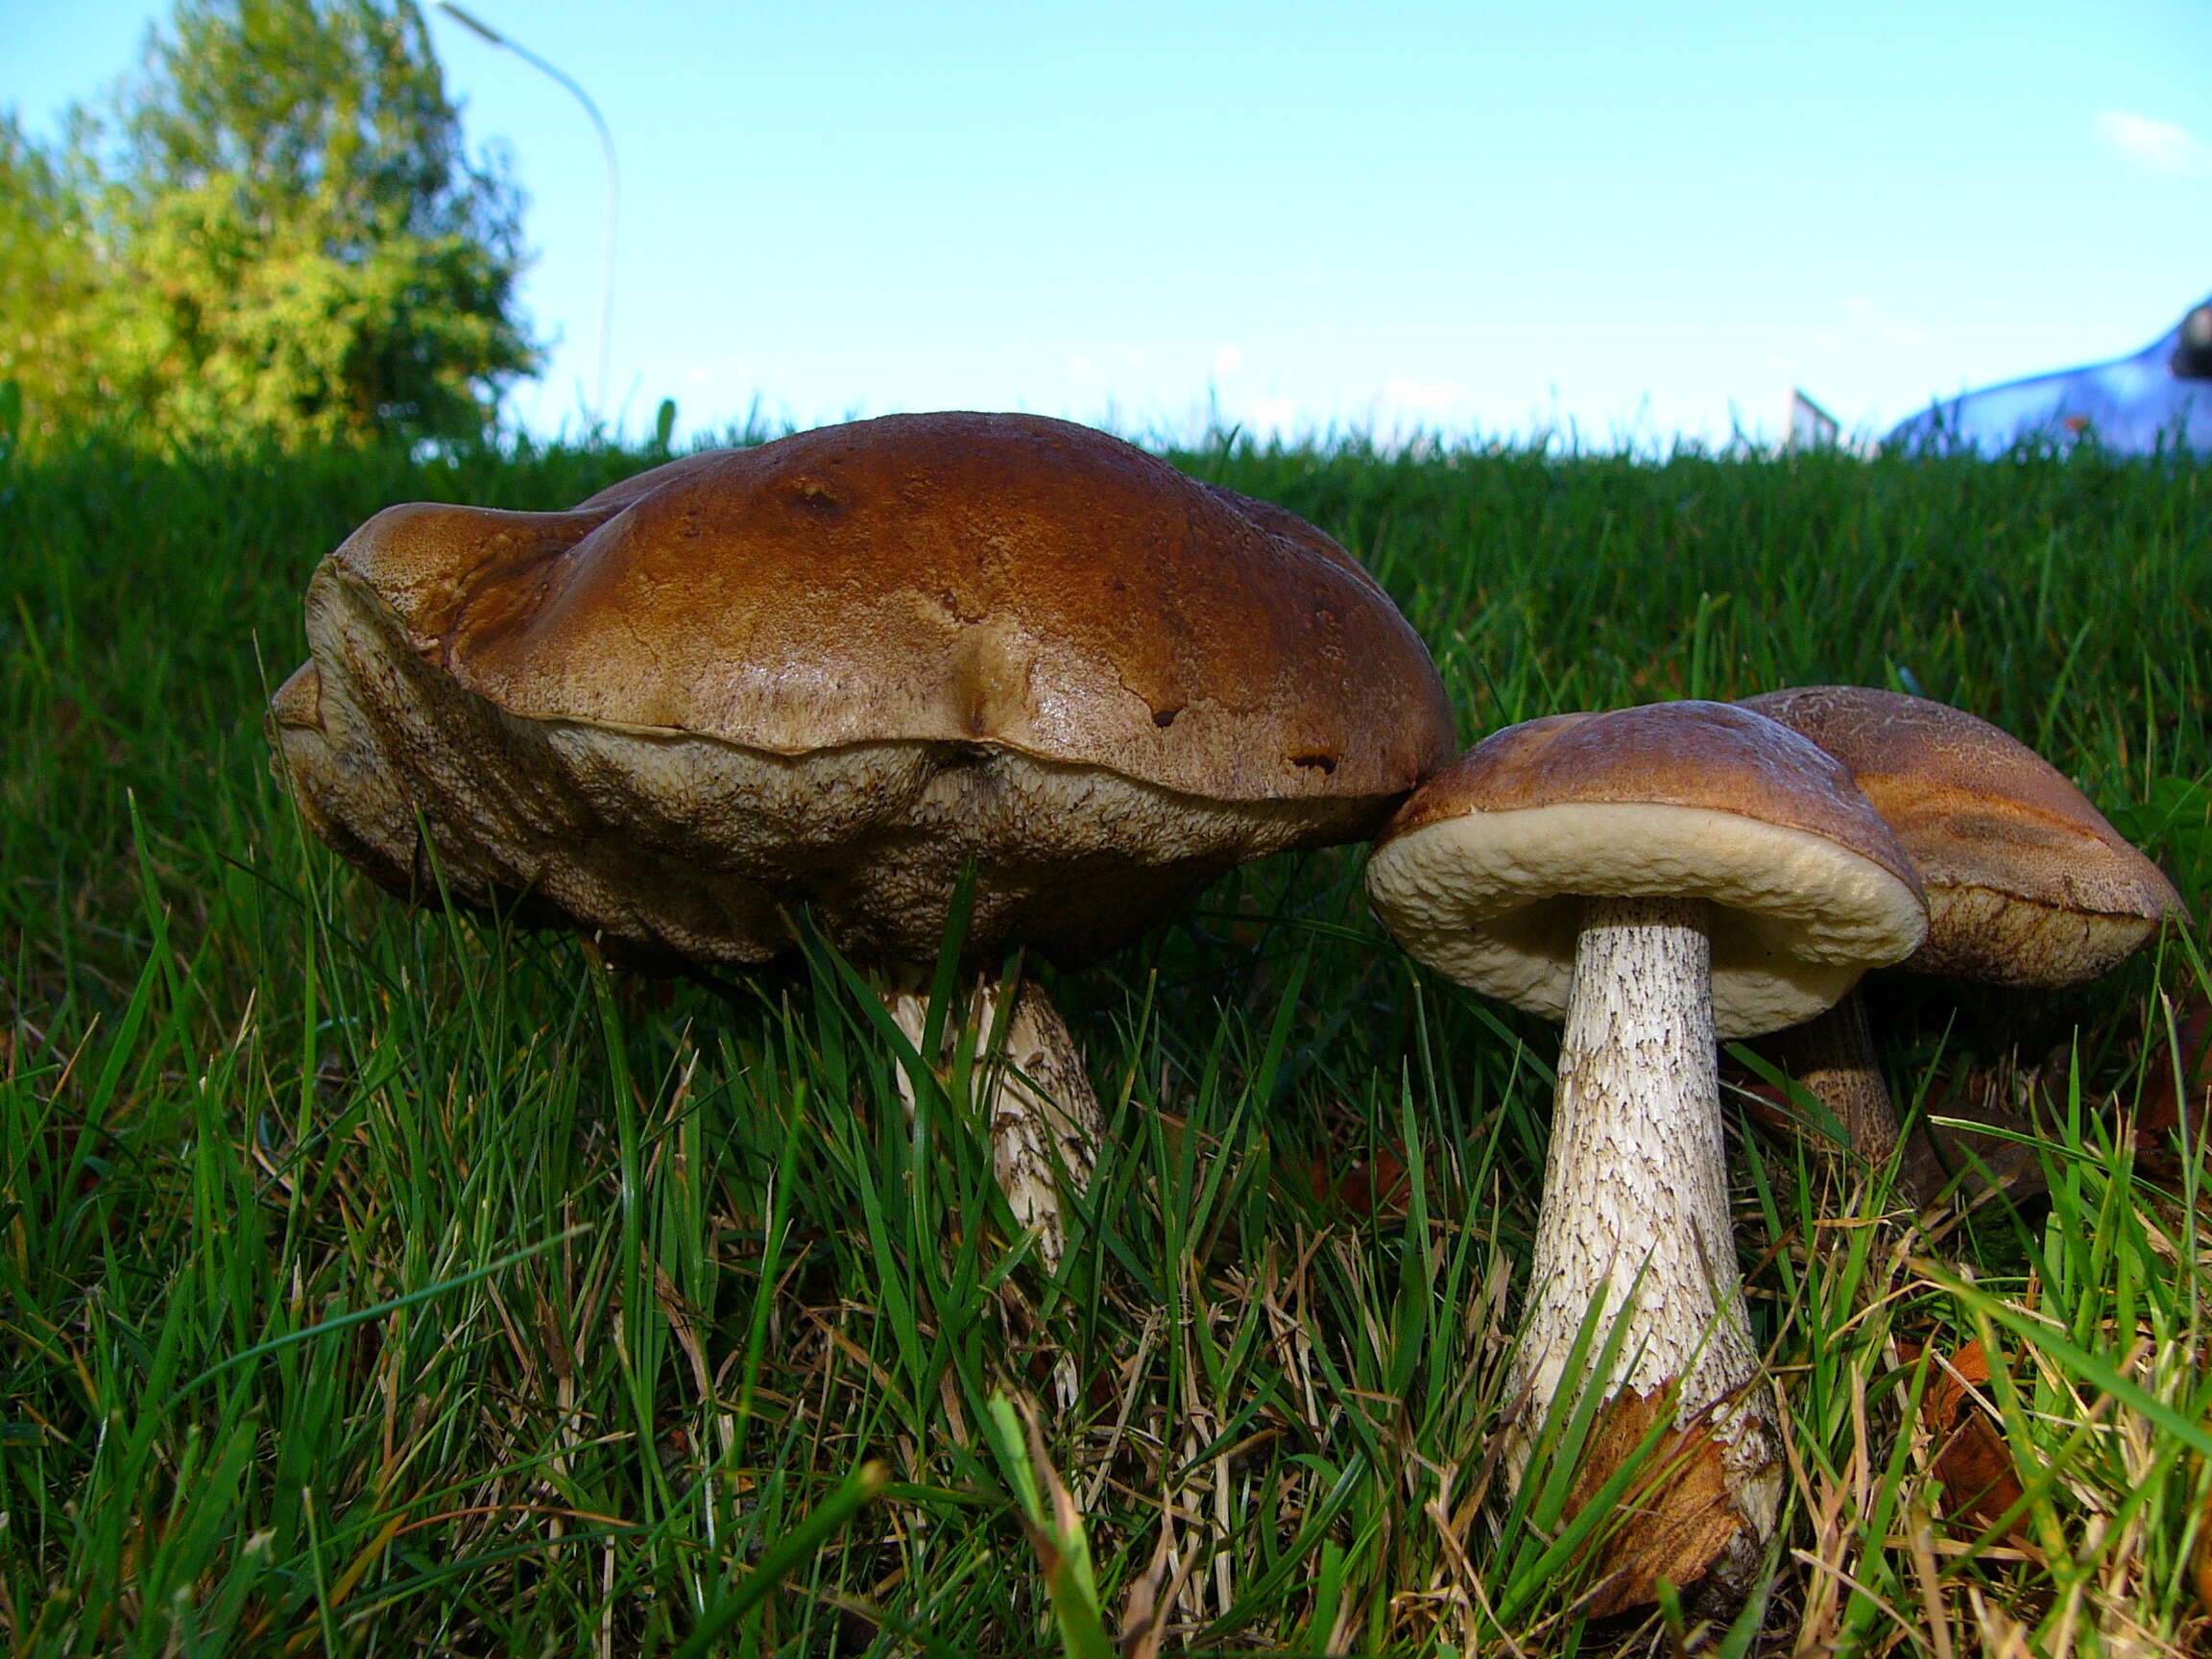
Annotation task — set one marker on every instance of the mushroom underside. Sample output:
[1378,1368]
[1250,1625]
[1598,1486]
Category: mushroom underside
[1495,900]
[676,846]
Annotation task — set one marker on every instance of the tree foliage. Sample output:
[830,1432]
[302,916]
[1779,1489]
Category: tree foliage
[49,278]
[277,233]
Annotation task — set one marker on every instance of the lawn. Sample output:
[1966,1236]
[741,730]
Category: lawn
[377,1282]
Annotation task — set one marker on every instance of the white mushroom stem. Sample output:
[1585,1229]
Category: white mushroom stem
[1030,1089]
[1832,1057]
[1635,1208]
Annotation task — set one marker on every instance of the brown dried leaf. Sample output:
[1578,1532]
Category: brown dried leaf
[1379,1186]
[1677,1519]
[1979,1480]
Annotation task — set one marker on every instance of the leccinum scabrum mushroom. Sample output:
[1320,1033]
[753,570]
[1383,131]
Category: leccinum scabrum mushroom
[2028,884]
[1656,876]
[839,670]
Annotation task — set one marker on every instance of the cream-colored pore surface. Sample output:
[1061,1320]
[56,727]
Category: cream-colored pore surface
[1493,899]
[1976,933]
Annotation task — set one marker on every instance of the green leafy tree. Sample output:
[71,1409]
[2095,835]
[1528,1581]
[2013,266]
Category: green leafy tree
[50,275]
[279,235]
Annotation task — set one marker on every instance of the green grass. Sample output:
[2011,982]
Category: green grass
[378,1282]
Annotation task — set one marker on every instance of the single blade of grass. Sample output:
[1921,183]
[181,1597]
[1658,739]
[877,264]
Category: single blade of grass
[794,1548]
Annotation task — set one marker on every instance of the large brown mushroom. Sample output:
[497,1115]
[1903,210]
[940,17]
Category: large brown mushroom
[2029,885]
[1655,877]
[837,671]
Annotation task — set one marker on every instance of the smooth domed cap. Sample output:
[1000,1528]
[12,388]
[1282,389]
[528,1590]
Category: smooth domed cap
[2028,884]
[959,577]
[841,670]
[1482,872]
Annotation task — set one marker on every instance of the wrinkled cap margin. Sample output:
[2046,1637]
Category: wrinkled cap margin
[1483,873]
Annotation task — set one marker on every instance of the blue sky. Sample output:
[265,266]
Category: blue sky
[1627,221]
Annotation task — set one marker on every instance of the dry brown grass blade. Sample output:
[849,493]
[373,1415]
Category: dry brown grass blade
[2200,1566]
[1930,1579]
[2003,1636]
[1149,1607]
[1824,1505]
[2183,1073]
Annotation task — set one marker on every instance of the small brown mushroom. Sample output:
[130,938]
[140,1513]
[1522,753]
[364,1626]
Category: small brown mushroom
[837,671]
[1656,876]
[2028,885]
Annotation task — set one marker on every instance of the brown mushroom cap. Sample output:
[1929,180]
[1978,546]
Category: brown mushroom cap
[1483,872]
[2028,885]
[838,668]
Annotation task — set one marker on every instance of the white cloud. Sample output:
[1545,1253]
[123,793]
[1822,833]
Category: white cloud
[2159,148]
[1227,361]
[1889,327]
[1273,414]
[733,369]
[1423,393]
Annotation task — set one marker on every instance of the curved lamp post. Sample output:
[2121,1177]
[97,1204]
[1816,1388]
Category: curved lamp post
[607,143]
